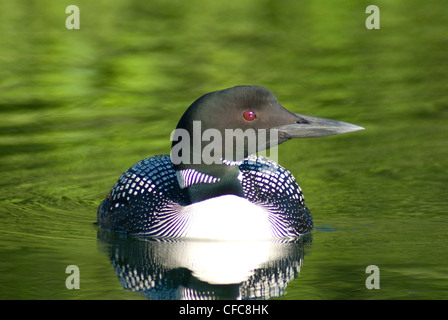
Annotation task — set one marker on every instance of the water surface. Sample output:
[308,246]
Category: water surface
[78,107]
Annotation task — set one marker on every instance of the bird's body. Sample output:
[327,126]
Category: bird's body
[202,192]
[147,200]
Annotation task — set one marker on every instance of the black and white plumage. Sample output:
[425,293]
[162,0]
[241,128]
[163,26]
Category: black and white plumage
[148,199]
[189,177]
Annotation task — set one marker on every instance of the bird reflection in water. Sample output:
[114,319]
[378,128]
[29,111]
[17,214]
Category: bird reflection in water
[196,270]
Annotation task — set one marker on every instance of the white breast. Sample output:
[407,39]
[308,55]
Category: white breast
[227,217]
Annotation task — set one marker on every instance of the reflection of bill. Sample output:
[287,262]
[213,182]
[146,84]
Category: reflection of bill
[188,269]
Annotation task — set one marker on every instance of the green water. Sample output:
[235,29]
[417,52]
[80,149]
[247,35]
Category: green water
[78,107]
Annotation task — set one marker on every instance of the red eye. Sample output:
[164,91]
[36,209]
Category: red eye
[249,115]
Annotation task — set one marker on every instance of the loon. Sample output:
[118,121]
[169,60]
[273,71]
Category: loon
[200,193]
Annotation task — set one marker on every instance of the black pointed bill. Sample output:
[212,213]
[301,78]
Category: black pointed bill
[314,127]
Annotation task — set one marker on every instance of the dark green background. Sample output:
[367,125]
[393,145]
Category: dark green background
[78,107]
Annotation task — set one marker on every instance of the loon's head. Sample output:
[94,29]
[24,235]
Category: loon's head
[216,131]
